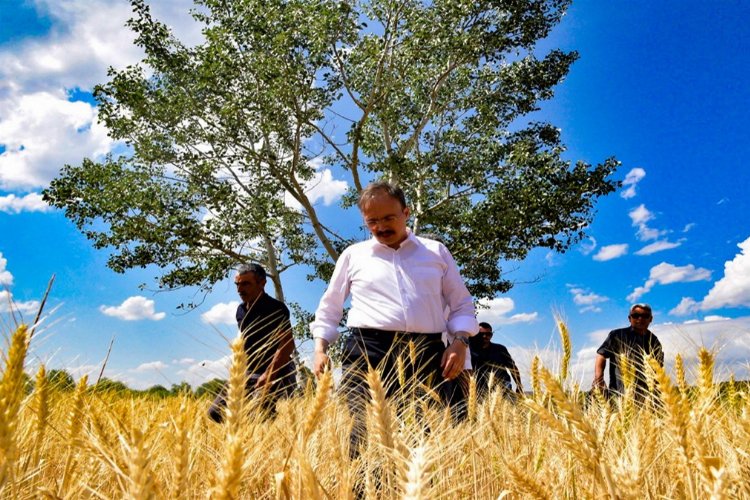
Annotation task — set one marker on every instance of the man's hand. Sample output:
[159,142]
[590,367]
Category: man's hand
[321,361]
[264,382]
[453,360]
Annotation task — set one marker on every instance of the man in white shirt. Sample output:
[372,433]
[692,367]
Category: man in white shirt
[400,286]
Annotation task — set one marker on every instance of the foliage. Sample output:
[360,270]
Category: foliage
[210,388]
[432,95]
[61,380]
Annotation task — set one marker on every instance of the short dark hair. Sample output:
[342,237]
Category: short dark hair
[254,268]
[645,307]
[486,325]
[374,188]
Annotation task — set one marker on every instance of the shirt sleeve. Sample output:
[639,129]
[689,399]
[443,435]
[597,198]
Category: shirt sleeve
[607,349]
[461,315]
[331,307]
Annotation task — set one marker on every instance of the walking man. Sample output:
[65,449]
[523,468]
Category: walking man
[265,326]
[632,345]
[400,287]
[493,359]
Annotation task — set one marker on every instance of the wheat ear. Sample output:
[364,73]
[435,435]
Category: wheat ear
[11,394]
[229,476]
[74,426]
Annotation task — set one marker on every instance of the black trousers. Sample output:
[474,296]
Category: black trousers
[367,348]
[284,387]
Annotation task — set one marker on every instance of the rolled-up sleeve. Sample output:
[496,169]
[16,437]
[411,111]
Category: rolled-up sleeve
[331,307]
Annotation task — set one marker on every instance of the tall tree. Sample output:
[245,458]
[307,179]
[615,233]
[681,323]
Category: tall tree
[431,95]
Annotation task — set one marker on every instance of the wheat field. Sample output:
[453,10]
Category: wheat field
[692,443]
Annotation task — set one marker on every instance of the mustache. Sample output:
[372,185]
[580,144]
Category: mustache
[387,232]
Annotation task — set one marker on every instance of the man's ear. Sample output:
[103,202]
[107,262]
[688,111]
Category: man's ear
[407,212]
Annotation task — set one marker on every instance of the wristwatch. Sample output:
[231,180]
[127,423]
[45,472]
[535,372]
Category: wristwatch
[463,339]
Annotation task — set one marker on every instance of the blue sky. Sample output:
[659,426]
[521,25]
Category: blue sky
[661,85]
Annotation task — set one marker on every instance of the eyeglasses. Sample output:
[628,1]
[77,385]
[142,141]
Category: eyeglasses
[388,219]
[485,334]
[242,283]
[639,316]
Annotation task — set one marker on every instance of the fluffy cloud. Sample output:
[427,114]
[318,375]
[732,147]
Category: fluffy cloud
[609,252]
[658,246]
[687,305]
[223,313]
[733,289]
[631,180]
[322,187]
[640,216]
[32,202]
[42,132]
[6,278]
[496,312]
[8,304]
[203,371]
[588,245]
[665,274]
[134,309]
[151,366]
[40,128]
[585,299]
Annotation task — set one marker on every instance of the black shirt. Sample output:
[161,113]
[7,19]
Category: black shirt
[262,326]
[495,359]
[633,346]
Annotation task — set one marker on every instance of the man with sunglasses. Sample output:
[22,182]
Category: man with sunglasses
[632,345]
[493,359]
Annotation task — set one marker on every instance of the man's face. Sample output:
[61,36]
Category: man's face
[486,335]
[640,319]
[249,286]
[386,219]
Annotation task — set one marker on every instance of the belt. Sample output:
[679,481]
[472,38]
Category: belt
[372,332]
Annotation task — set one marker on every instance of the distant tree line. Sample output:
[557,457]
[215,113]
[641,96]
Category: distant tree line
[61,380]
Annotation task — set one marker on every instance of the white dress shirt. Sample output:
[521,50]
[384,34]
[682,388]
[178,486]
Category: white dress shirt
[407,289]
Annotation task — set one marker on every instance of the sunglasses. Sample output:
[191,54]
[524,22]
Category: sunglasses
[639,316]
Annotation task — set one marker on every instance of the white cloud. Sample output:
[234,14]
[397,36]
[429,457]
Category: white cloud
[32,202]
[586,300]
[321,187]
[495,312]
[6,278]
[8,304]
[183,361]
[609,252]
[687,305]
[588,245]
[79,371]
[714,317]
[688,227]
[41,133]
[665,274]
[134,309]
[733,289]
[640,216]
[630,182]
[222,313]
[39,126]
[203,371]
[151,366]
[658,246]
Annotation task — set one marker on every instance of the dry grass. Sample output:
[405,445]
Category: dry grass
[84,444]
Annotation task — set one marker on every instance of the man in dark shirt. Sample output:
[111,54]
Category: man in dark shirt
[488,358]
[265,326]
[632,344]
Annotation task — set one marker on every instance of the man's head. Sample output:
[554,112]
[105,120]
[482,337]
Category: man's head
[250,281]
[384,209]
[640,317]
[485,334]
